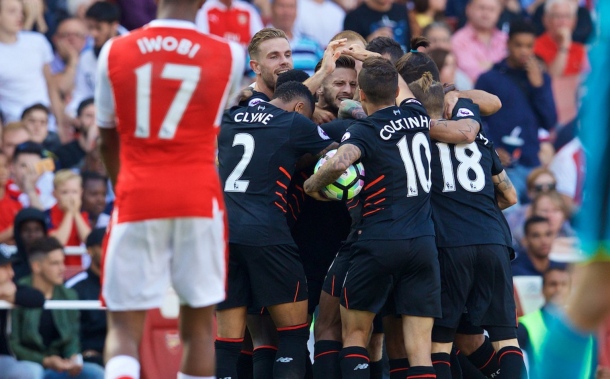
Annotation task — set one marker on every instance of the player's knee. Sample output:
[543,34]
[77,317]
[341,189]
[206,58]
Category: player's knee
[469,343]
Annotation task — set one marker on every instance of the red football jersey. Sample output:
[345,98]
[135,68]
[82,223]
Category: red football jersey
[164,87]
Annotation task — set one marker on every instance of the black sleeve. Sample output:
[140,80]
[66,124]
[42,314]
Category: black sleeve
[496,166]
[362,135]
[307,137]
[69,155]
[413,105]
[336,128]
[523,337]
[466,108]
[28,297]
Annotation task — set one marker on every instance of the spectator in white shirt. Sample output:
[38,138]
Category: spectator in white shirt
[320,19]
[25,74]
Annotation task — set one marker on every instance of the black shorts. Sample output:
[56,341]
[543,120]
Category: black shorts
[333,282]
[316,259]
[260,276]
[476,279]
[407,268]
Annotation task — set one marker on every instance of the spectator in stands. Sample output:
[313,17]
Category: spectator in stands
[66,221]
[387,47]
[50,338]
[527,105]
[380,18]
[305,50]
[479,45]
[71,154]
[568,166]
[566,59]
[30,225]
[438,35]
[28,173]
[540,180]
[537,243]
[584,23]
[235,20]
[9,207]
[88,286]
[426,12]
[103,23]
[13,134]
[36,121]
[556,288]
[69,42]
[25,76]
[21,296]
[321,19]
[448,70]
[511,12]
[95,189]
[551,206]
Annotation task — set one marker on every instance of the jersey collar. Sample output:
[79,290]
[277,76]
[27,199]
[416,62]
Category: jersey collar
[171,23]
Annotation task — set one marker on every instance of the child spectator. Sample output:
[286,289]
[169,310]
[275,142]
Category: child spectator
[88,285]
[50,338]
[30,184]
[66,221]
[9,207]
[30,225]
[95,189]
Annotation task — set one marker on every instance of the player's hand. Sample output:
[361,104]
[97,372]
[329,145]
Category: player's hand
[321,116]
[451,99]
[358,52]
[245,94]
[505,157]
[318,196]
[331,54]
[534,72]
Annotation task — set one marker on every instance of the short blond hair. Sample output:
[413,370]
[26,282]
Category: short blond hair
[63,176]
[262,36]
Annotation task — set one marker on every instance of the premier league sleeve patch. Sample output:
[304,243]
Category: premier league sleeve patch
[322,133]
[464,112]
[254,101]
[346,136]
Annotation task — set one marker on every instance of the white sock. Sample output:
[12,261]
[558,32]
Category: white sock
[122,366]
[184,376]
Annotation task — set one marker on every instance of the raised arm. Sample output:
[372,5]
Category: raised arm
[488,103]
[506,195]
[331,170]
[331,54]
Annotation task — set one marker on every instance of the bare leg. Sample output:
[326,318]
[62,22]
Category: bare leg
[196,325]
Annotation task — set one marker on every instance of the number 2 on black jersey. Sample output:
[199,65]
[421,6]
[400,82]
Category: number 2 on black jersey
[233,184]
[467,163]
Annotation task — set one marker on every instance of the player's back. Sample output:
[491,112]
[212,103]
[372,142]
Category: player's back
[170,84]
[463,195]
[395,150]
[258,148]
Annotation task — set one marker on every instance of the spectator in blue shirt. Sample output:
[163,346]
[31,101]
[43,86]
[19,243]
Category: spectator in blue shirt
[537,242]
[305,50]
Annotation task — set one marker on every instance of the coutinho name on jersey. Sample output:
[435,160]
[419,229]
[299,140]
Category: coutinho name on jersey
[422,122]
[183,46]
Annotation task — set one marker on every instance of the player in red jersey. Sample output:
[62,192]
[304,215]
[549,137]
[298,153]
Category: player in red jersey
[160,94]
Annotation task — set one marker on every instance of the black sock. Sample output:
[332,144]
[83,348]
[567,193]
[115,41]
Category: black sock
[263,361]
[308,365]
[442,365]
[511,362]
[326,359]
[399,368]
[290,359]
[355,363]
[486,360]
[456,367]
[377,370]
[422,372]
[227,353]
[244,365]
[467,368]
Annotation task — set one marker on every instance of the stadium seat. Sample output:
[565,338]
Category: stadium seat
[161,348]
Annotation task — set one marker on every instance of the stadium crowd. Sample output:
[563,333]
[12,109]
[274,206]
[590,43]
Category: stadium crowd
[55,193]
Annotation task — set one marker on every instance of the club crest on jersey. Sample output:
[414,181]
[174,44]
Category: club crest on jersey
[322,133]
[464,112]
[396,112]
[261,107]
[345,136]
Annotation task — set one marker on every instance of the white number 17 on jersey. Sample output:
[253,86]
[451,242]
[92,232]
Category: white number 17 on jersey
[189,75]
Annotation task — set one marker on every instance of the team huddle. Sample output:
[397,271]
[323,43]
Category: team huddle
[421,255]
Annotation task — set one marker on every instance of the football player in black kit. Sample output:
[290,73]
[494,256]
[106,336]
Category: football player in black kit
[395,250]
[258,148]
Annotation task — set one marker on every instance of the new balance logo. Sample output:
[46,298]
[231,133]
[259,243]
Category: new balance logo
[362,366]
[284,360]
